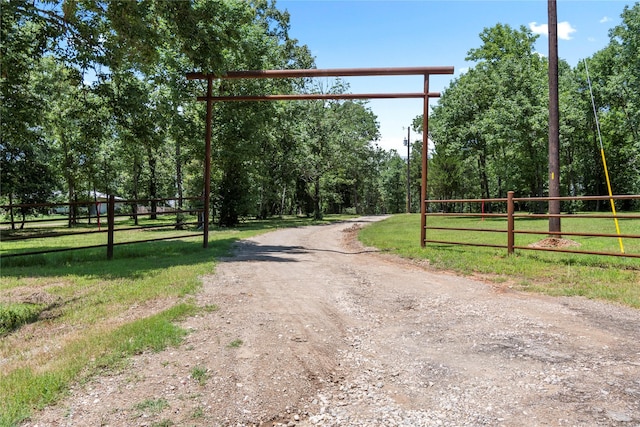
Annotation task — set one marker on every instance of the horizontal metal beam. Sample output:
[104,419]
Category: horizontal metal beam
[332,72]
[320,96]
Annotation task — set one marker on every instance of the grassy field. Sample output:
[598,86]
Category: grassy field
[66,316]
[610,278]
[84,235]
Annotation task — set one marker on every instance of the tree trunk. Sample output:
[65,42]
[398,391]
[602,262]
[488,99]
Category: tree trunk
[317,214]
[72,207]
[153,184]
[484,184]
[95,203]
[179,173]
[13,224]
[136,179]
[355,197]
[284,192]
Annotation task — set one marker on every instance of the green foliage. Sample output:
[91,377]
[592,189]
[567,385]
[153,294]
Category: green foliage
[334,156]
[120,118]
[199,373]
[394,184]
[490,125]
[25,163]
[94,99]
[154,333]
[27,388]
[197,413]
[235,343]
[14,315]
[151,406]
[210,308]
[503,42]
[490,122]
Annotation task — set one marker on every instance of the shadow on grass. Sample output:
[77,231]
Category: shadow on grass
[131,261]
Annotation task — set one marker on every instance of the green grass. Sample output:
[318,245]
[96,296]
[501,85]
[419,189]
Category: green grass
[609,278]
[199,373]
[124,233]
[14,315]
[152,284]
[29,387]
[151,406]
[235,343]
[197,413]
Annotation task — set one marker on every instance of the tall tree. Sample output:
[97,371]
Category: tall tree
[332,135]
[26,172]
[494,115]
[393,183]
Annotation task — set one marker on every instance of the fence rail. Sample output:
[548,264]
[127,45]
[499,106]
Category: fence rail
[512,217]
[110,216]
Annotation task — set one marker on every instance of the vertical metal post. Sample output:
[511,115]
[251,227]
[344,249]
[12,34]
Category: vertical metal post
[409,169]
[510,223]
[207,163]
[425,153]
[554,121]
[111,224]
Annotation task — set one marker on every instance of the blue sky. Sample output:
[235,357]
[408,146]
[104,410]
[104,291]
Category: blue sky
[390,33]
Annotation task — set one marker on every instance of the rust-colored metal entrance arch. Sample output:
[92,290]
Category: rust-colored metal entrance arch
[336,72]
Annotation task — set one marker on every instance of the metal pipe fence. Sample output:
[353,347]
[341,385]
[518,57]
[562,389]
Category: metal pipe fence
[36,227]
[508,212]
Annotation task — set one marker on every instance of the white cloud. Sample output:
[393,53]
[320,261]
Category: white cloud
[542,29]
[605,19]
[564,29]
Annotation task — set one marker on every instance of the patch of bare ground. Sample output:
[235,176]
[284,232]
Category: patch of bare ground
[554,242]
[313,330]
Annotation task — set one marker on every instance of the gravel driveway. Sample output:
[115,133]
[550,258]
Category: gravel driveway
[314,330]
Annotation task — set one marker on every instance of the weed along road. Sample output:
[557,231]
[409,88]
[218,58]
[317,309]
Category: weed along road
[314,330]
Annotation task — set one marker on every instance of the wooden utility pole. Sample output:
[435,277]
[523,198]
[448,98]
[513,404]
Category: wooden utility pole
[554,120]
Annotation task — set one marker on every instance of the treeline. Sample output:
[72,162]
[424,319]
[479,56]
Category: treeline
[490,127]
[95,100]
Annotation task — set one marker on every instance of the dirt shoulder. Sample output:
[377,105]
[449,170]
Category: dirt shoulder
[314,330]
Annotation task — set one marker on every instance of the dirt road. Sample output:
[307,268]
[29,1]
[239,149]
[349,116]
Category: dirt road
[313,330]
